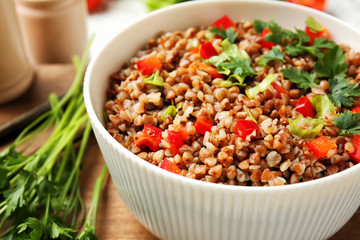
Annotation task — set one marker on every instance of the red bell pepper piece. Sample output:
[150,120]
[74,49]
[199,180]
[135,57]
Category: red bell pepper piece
[279,90]
[320,146]
[195,50]
[224,22]
[264,43]
[148,65]
[211,70]
[150,137]
[323,33]
[94,5]
[355,156]
[316,4]
[304,106]
[170,166]
[207,50]
[356,109]
[246,127]
[203,125]
[176,139]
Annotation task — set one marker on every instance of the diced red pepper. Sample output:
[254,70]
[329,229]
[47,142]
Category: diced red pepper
[203,125]
[264,43]
[207,50]
[355,156]
[304,106]
[316,4]
[170,166]
[224,22]
[148,65]
[320,146]
[93,5]
[176,139]
[323,33]
[211,70]
[196,49]
[245,128]
[279,90]
[356,109]
[151,138]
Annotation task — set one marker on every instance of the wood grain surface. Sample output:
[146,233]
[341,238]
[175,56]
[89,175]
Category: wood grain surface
[114,221]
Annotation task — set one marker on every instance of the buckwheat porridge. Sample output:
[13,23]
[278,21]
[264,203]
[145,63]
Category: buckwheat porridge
[242,103]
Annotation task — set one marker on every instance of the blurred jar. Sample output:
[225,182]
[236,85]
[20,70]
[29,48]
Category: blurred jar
[53,30]
[16,73]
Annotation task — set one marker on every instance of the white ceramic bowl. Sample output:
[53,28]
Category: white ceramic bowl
[175,207]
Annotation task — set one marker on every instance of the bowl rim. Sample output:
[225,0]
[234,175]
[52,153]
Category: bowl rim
[184,180]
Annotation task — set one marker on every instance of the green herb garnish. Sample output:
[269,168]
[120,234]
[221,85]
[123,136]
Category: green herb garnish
[259,25]
[232,62]
[312,127]
[171,111]
[261,87]
[342,92]
[278,34]
[273,55]
[302,78]
[348,122]
[332,64]
[229,33]
[313,25]
[154,79]
[322,105]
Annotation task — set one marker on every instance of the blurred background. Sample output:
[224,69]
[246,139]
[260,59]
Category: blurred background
[110,16]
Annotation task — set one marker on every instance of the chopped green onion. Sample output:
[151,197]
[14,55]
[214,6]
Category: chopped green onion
[154,79]
[322,105]
[305,127]
[261,87]
[171,111]
[251,116]
[313,25]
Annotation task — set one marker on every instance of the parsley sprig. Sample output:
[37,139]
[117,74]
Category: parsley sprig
[295,43]
[348,122]
[302,78]
[233,63]
[273,55]
[229,33]
[39,192]
[333,67]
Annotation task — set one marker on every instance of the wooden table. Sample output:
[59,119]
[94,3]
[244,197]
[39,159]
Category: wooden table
[114,221]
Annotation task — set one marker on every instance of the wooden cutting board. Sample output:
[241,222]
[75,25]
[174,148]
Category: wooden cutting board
[114,221]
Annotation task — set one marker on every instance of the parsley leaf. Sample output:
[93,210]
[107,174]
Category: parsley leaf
[348,122]
[342,91]
[332,64]
[273,54]
[232,62]
[297,47]
[302,78]
[278,34]
[229,33]
[259,25]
